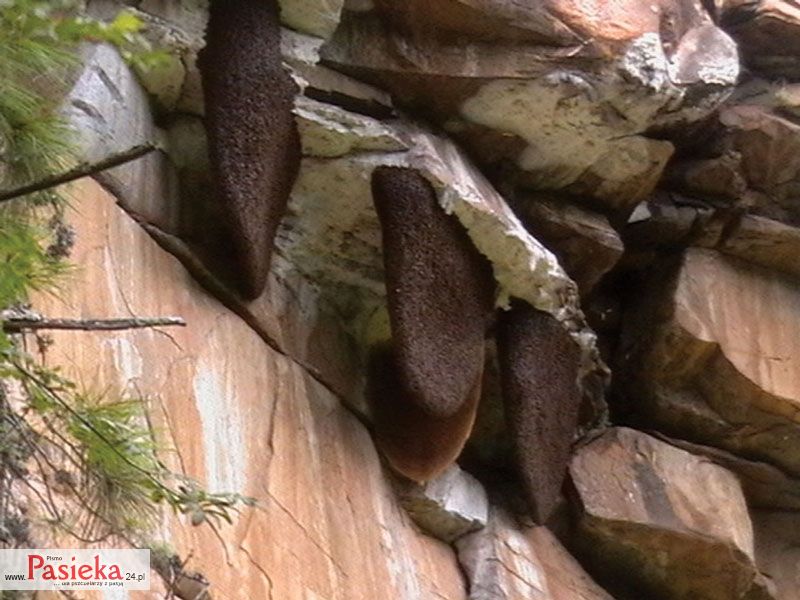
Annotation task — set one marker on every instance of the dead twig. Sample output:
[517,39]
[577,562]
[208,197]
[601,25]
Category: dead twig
[33,323]
[82,170]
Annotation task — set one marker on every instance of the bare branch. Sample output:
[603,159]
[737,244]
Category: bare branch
[15,324]
[82,170]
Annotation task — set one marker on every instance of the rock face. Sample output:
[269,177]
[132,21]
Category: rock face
[555,95]
[448,507]
[678,524]
[688,369]
[504,561]
[110,111]
[778,551]
[764,144]
[242,417]
[583,240]
[315,17]
[401,233]
[254,147]
[734,188]
[767,31]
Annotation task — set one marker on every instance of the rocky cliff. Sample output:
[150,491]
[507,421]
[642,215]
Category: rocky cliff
[484,299]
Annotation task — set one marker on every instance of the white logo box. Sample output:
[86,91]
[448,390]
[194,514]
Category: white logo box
[65,569]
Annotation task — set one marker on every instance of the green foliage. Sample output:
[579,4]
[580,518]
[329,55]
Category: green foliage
[106,452]
[35,140]
[38,40]
[99,450]
[119,464]
[25,264]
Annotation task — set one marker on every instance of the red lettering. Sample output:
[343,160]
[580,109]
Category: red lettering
[85,572]
[31,559]
[100,572]
[63,572]
[114,572]
[49,573]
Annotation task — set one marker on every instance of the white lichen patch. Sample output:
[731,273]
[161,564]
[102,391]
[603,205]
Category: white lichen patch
[560,122]
[329,131]
[127,359]
[570,124]
[315,17]
[586,131]
[706,55]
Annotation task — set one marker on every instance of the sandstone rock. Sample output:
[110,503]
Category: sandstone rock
[539,367]
[777,537]
[717,177]
[662,222]
[316,17]
[448,507]
[768,145]
[289,314]
[768,33]
[764,485]
[326,85]
[241,417]
[254,147]
[108,108]
[551,94]
[764,242]
[328,131]
[178,27]
[668,226]
[506,562]
[708,355]
[109,114]
[746,157]
[176,30]
[672,524]
[781,97]
[584,242]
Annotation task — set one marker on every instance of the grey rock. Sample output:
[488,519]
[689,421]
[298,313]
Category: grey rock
[108,108]
[506,562]
[447,507]
[583,240]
